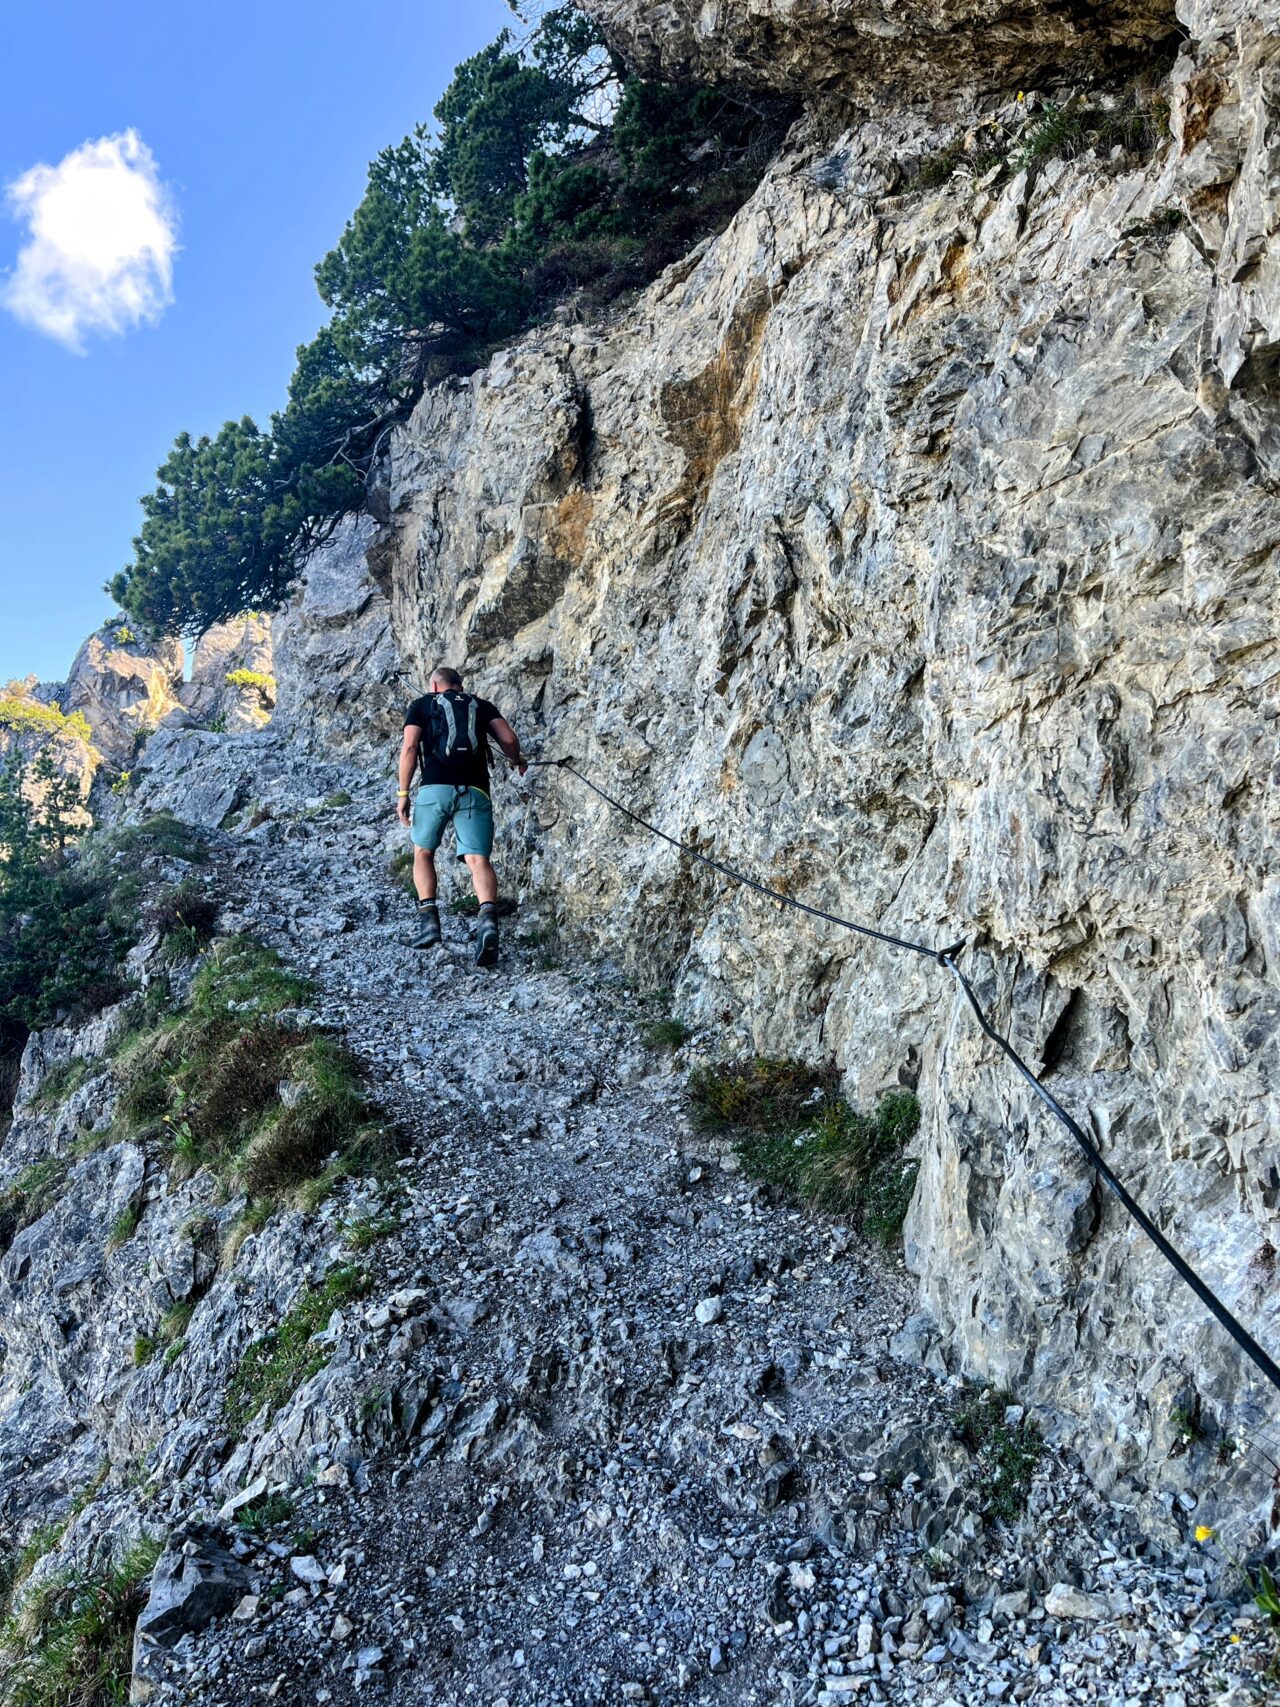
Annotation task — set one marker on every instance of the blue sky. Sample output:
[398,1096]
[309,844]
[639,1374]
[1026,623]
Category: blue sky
[261,119]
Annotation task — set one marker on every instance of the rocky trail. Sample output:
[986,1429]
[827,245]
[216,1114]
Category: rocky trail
[611,1424]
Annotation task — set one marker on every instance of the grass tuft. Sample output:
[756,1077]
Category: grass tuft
[31,1195]
[62,1082]
[665,1034]
[124,1226]
[235,1087]
[71,1642]
[794,1132]
[264,1514]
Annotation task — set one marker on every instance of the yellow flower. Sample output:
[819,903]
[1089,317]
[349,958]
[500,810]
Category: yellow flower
[1021,96]
[1235,1638]
[1203,1532]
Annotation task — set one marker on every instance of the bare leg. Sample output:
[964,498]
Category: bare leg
[424,873]
[483,876]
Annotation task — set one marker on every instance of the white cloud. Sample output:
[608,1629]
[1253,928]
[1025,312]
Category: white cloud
[101,237]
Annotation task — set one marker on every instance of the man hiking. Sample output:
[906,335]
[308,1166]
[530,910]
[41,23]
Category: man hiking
[446,732]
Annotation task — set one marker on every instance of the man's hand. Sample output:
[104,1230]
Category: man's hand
[404,812]
[509,741]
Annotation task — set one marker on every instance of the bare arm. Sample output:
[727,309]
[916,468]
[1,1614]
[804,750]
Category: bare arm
[509,741]
[408,758]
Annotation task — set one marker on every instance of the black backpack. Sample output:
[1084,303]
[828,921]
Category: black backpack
[452,734]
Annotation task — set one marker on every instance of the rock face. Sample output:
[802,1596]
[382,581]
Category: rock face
[338,672]
[125,687]
[900,49]
[914,549]
[231,674]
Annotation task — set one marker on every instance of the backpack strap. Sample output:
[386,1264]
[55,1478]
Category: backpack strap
[451,722]
[473,708]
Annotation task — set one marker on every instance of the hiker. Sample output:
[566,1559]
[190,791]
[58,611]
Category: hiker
[446,732]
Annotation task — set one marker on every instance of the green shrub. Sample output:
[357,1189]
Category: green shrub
[274,1367]
[259,679]
[64,925]
[31,717]
[763,1094]
[71,1642]
[1006,1453]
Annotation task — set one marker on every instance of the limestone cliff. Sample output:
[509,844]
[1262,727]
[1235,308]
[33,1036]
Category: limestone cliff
[915,548]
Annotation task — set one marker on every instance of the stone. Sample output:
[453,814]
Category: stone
[709,1310]
[195,1580]
[1064,1601]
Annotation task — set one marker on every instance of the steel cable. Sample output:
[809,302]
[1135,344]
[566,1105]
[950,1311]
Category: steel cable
[946,957]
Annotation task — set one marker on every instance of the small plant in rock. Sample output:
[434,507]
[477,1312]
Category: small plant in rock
[1158,225]
[400,866]
[30,1196]
[61,1082]
[274,1367]
[144,1348]
[265,1514]
[668,1033]
[1185,1427]
[362,1232]
[1006,1445]
[189,908]
[371,1403]
[936,169]
[71,1642]
[16,1567]
[339,797]
[124,1226]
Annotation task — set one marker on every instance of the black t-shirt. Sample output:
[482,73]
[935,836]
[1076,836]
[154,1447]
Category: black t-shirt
[468,770]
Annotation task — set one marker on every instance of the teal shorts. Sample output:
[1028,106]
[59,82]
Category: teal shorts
[469,810]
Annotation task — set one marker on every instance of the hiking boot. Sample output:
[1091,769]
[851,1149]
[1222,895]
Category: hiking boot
[427,930]
[487,940]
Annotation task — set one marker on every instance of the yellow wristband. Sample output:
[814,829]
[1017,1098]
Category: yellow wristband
[403,791]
